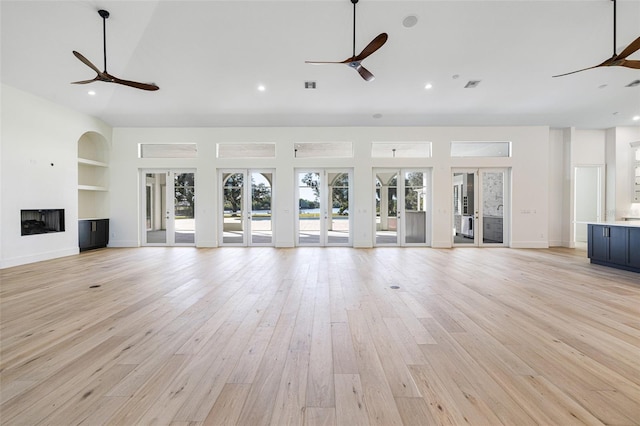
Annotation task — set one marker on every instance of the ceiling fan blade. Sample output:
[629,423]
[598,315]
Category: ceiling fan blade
[97,78]
[573,72]
[87,62]
[631,64]
[143,86]
[327,62]
[632,48]
[364,73]
[374,45]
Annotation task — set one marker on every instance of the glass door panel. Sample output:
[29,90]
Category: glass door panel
[155,199]
[493,207]
[232,208]
[247,217]
[480,207]
[338,226]
[309,212]
[387,208]
[464,208]
[323,207]
[184,208]
[261,224]
[402,207]
[169,207]
[415,211]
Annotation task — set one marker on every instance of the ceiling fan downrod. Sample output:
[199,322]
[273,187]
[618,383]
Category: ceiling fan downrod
[614,27]
[354,26]
[104,14]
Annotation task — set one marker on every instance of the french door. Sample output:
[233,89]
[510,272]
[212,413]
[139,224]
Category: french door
[481,206]
[246,216]
[168,206]
[323,207]
[402,207]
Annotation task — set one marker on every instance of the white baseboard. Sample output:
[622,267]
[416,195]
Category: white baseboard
[206,244]
[441,244]
[530,244]
[362,244]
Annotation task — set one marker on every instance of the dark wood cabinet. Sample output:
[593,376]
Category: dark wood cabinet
[634,247]
[617,246]
[93,233]
[598,242]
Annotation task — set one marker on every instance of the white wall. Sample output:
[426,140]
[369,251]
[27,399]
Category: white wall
[36,133]
[557,188]
[623,136]
[571,148]
[39,171]
[529,166]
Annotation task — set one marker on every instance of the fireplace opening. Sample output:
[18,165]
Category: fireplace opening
[42,221]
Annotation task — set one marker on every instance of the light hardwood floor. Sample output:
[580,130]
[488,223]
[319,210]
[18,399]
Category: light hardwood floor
[314,336]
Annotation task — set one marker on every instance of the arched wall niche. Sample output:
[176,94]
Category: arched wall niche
[93,146]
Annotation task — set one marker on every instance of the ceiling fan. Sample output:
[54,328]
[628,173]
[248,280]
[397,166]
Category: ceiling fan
[355,61]
[104,75]
[616,60]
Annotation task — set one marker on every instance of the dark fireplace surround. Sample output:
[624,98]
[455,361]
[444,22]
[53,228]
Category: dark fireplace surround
[42,221]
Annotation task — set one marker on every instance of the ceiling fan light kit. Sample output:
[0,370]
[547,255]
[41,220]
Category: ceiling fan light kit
[355,61]
[104,75]
[616,60]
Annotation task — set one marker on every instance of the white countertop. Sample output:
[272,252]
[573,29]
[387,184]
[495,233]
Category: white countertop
[627,223]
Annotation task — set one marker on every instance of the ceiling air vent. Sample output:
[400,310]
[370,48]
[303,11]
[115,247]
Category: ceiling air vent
[634,83]
[309,84]
[472,84]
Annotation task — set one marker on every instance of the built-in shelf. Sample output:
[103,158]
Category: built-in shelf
[89,162]
[92,188]
[93,176]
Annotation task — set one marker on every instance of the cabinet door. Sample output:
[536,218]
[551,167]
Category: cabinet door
[598,242]
[634,247]
[101,233]
[618,244]
[84,234]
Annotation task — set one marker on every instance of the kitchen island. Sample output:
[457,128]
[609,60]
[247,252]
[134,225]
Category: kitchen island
[615,244]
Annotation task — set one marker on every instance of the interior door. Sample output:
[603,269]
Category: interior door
[323,207]
[168,198]
[402,207]
[247,215]
[588,196]
[481,206]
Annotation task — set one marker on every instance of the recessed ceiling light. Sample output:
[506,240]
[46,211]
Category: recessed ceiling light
[91,92]
[261,88]
[602,86]
[428,86]
[472,84]
[634,83]
[636,117]
[377,115]
[410,21]
[455,76]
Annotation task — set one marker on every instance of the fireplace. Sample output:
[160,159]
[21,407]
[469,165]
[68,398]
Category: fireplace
[42,221]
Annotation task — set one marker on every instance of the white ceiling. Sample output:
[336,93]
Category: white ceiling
[208,57]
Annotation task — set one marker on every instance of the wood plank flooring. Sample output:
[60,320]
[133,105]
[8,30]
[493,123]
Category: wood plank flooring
[319,336]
